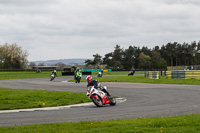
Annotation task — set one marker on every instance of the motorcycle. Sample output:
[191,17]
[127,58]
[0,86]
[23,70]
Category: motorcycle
[52,77]
[100,74]
[78,77]
[99,97]
[131,72]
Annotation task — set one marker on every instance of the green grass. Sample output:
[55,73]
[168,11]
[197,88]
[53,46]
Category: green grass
[43,74]
[23,99]
[118,73]
[176,124]
[142,79]
[23,75]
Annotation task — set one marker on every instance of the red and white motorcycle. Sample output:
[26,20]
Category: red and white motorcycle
[52,76]
[99,97]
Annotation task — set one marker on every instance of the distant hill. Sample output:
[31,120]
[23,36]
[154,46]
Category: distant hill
[65,61]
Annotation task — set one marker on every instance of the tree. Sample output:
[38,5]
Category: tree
[193,52]
[186,53]
[137,54]
[96,61]
[88,62]
[144,61]
[108,60]
[171,48]
[179,54]
[157,61]
[117,57]
[12,56]
[156,48]
[198,53]
[129,58]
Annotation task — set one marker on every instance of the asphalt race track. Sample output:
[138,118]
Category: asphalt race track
[142,100]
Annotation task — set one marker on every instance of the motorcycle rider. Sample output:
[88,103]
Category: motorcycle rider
[100,73]
[54,72]
[77,70]
[75,73]
[96,85]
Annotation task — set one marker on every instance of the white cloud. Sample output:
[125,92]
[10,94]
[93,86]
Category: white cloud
[81,28]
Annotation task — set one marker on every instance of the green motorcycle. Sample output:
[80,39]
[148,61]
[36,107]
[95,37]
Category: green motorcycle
[78,77]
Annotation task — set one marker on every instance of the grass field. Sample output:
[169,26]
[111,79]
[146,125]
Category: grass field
[142,79]
[23,75]
[118,73]
[23,99]
[176,124]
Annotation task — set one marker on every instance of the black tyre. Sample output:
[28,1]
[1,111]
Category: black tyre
[113,102]
[78,79]
[97,102]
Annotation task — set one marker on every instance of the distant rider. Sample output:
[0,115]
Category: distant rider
[76,71]
[96,85]
[54,72]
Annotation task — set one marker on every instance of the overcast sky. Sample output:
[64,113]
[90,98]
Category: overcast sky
[63,29]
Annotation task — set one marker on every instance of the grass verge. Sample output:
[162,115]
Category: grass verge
[118,73]
[142,79]
[180,124]
[23,75]
[23,99]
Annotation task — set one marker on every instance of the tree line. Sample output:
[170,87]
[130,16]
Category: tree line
[134,57]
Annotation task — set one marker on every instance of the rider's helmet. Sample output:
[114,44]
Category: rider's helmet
[88,79]
[54,71]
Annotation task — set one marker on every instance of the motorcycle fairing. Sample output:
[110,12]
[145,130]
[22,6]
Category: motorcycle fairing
[105,100]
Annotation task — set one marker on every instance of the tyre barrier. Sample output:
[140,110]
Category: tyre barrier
[152,75]
[182,74]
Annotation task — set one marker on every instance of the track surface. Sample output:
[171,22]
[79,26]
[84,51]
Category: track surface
[142,100]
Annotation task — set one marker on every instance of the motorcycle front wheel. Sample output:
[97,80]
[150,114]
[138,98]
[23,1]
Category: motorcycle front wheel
[78,80]
[113,101]
[97,102]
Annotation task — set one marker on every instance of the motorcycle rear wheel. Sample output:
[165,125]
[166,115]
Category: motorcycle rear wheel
[97,102]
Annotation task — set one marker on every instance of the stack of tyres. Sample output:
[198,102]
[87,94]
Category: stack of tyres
[178,74]
[153,74]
